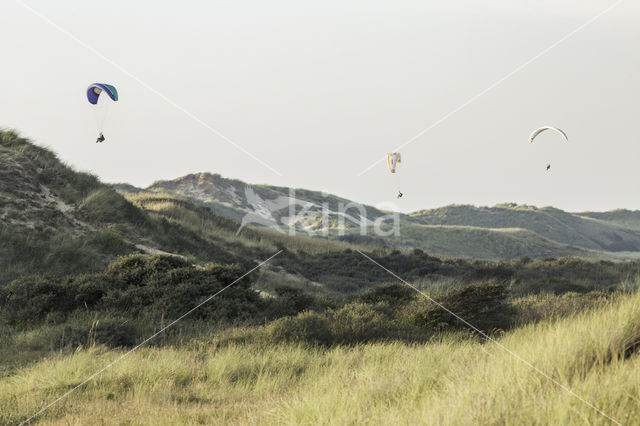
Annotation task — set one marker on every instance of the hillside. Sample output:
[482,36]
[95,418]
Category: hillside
[52,217]
[484,243]
[272,206]
[504,231]
[57,220]
[548,222]
[626,218]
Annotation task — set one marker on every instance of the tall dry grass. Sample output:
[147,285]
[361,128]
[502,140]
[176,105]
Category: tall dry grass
[450,381]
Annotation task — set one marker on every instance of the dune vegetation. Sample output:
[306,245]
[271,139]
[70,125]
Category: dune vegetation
[319,334]
[241,376]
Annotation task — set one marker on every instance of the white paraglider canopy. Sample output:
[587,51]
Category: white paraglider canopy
[393,158]
[544,128]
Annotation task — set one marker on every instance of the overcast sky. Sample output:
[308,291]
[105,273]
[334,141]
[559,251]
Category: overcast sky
[320,90]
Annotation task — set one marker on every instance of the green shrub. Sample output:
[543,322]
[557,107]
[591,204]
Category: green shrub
[306,327]
[109,332]
[484,306]
[110,241]
[289,301]
[152,286]
[392,294]
[136,269]
[358,322]
[169,285]
[105,205]
[30,299]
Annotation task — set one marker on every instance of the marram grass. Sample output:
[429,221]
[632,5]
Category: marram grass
[450,381]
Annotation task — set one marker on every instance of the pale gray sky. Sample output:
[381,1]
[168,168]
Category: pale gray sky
[320,90]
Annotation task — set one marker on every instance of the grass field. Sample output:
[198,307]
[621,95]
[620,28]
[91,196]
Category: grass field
[452,380]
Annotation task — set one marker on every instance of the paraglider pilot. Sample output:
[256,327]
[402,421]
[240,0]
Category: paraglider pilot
[94,91]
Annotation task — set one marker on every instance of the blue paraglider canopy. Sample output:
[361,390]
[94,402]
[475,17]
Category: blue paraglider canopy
[94,91]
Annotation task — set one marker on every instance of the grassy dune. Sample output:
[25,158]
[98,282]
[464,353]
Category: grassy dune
[202,221]
[483,243]
[454,380]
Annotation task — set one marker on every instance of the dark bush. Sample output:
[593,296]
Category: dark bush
[105,205]
[393,294]
[358,322]
[30,299]
[306,327]
[289,301]
[110,241]
[136,285]
[484,306]
[490,271]
[169,285]
[109,332]
[136,269]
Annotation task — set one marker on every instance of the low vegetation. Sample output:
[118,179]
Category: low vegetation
[454,378]
[318,335]
[138,294]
